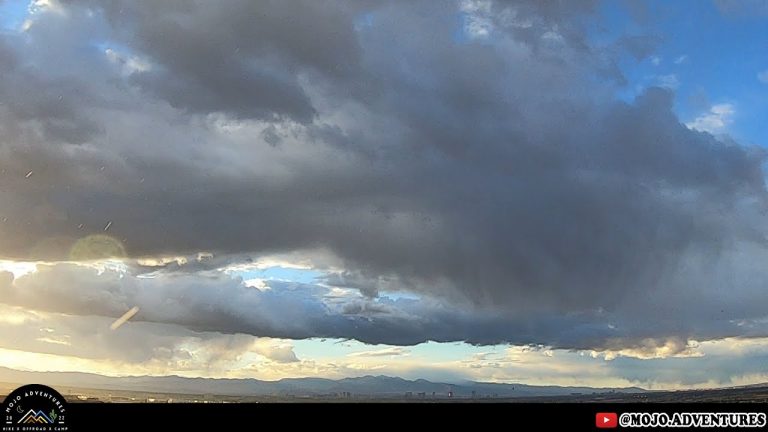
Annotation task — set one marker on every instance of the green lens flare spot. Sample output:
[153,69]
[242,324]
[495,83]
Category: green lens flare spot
[95,247]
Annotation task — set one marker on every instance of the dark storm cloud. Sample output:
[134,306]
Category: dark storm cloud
[31,97]
[495,174]
[243,58]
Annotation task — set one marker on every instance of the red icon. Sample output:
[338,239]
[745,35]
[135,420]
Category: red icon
[606,420]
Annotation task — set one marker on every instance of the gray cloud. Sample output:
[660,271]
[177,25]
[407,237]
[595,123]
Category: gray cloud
[31,97]
[88,336]
[640,46]
[249,60]
[498,176]
[211,301]
[719,368]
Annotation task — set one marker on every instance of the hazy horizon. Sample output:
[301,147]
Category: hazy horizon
[563,193]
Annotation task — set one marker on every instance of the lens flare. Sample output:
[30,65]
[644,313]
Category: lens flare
[97,246]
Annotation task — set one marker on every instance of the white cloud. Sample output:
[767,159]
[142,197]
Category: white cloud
[384,352]
[129,64]
[669,81]
[715,120]
[681,59]
[763,76]
[656,60]
[478,24]
[53,341]
[18,268]
[40,7]
[654,349]
[257,283]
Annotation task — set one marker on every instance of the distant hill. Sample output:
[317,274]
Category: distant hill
[377,386]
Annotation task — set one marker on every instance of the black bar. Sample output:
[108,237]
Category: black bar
[402,416]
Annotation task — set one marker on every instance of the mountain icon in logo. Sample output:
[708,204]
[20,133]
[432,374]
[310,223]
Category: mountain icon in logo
[33,416]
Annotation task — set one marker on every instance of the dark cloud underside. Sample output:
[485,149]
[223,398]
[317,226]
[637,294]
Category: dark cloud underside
[498,175]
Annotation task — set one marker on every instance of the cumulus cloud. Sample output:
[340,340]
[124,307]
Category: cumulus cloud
[495,178]
[715,120]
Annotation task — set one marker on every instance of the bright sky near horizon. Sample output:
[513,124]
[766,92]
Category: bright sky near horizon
[546,193]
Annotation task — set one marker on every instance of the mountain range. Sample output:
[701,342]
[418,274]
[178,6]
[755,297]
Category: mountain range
[377,386]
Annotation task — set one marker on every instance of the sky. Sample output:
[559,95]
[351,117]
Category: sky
[522,191]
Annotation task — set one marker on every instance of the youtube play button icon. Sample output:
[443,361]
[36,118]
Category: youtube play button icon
[606,420]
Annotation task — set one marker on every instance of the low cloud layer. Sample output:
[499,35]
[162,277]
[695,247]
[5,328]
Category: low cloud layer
[214,302]
[492,173]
